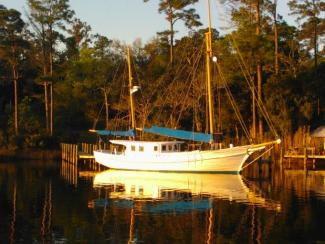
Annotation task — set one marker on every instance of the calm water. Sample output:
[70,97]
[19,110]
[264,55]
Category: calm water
[56,203]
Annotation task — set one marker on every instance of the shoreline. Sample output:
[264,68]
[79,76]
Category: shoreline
[29,154]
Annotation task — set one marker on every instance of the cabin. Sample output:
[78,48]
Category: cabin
[149,147]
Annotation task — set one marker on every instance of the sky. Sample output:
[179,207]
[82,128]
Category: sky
[129,20]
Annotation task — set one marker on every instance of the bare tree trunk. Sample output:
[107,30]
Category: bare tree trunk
[253,109]
[259,98]
[315,45]
[196,120]
[51,83]
[45,83]
[252,80]
[171,26]
[219,111]
[259,68]
[51,108]
[106,108]
[46,106]
[276,41]
[15,79]
[171,57]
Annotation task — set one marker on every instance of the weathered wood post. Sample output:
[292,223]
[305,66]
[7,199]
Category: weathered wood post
[281,159]
[305,158]
[75,155]
[61,147]
[63,151]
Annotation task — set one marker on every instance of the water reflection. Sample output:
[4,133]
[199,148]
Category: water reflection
[69,172]
[184,190]
[211,196]
[13,215]
[43,202]
[306,183]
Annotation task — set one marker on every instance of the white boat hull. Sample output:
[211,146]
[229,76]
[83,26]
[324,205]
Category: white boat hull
[228,160]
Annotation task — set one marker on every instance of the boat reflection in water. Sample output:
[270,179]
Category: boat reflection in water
[306,184]
[164,191]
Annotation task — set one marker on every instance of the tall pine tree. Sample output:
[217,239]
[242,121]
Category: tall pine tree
[47,18]
[175,10]
[309,14]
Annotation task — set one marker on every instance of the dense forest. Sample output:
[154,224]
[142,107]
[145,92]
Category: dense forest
[58,79]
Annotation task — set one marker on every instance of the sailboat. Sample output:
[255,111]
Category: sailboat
[168,155]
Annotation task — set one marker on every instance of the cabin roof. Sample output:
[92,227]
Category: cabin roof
[127,142]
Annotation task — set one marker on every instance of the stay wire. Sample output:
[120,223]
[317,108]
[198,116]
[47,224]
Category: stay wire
[246,73]
[250,83]
[234,105]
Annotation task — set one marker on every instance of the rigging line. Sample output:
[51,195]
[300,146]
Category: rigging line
[253,88]
[119,113]
[258,100]
[264,112]
[113,81]
[234,105]
[171,84]
[232,100]
[96,120]
[193,72]
[166,91]
[238,114]
[163,97]
[116,117]
[134,71]
[154,91]
[258,157]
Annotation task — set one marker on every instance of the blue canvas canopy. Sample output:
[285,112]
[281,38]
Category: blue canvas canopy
[180,134]
[126,133]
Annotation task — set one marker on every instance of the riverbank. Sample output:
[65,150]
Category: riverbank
[29,154]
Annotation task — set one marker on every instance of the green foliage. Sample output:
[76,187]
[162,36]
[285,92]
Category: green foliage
[29,121]
[175,10]
[309,15]
[89,73]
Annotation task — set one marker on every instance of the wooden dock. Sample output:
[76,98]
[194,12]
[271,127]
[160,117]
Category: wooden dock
[302,146]
[303,153]
[78,161]
[74,153]
[305,156]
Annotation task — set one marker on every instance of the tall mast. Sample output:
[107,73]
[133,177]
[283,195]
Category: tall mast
[209,18]
[130,90]
[208,70]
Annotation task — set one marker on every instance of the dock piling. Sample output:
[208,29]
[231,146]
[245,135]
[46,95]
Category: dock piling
[72,154]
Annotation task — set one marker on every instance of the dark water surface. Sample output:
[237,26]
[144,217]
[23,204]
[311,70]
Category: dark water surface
[55,202]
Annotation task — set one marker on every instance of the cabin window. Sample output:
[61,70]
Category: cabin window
[141,149]
[170,148]
[155,148]
[133,148]
[175,147]
[163,148]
